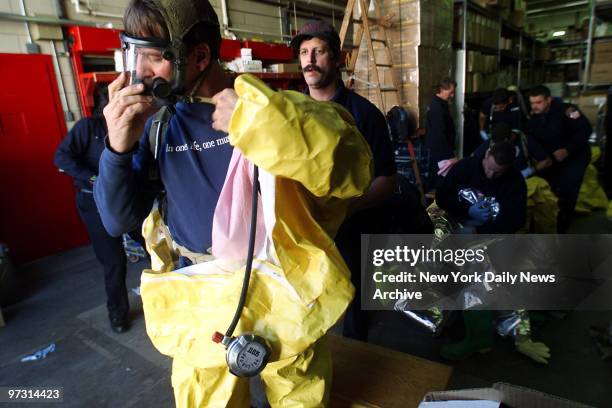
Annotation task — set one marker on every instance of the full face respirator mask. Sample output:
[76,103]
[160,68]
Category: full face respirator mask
[246,354]
[141,55]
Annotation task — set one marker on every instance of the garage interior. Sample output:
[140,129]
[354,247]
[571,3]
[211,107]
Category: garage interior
[56,53]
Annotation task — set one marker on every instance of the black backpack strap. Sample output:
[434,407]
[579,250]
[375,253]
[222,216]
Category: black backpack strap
[157,133]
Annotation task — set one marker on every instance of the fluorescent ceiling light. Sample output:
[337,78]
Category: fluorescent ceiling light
[558,33]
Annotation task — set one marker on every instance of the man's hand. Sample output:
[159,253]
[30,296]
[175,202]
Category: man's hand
[480,212]
[126,113]
[560,154]
[225,103]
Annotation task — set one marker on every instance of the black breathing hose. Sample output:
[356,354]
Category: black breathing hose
[249,261]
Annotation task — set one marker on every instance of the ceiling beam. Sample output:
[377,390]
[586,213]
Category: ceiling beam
[557,6]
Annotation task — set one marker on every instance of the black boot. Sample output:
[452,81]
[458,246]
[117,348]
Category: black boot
[119,324]
[564,219]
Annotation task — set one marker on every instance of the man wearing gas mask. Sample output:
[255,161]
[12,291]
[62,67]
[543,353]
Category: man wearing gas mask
[310,163]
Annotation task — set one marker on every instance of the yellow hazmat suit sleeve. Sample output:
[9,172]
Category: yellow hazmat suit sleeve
[291,135]
[317,145]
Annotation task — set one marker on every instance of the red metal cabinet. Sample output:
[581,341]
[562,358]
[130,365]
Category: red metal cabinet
[38,216]
[100,43]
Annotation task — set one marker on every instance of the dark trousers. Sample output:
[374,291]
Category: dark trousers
[110,253]
[565,180]
[348,241]
[355,325]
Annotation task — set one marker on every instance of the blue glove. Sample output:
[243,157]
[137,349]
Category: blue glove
[480,212]
[527,172]
[484,135]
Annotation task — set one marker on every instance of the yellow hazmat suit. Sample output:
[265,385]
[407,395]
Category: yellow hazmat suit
[542,207]
[591,196]
[312,160]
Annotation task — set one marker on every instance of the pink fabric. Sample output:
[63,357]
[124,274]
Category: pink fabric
[445,165]
[232,219]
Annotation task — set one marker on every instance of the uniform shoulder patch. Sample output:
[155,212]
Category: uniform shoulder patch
[572,113]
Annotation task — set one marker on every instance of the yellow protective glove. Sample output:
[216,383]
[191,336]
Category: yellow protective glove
[537,351]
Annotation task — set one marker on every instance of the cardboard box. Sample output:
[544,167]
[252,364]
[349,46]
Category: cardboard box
[477,82]
[518,18]
[499,4]
[520,5]
[604,57]
[511,396]
[556,88]
[602,52]
[380,377]
[543,53]
[284,68]
[600,46]
[251,66]
[590,105]
[601,73]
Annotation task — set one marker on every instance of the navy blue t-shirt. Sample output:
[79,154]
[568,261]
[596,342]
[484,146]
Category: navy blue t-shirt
[193,163]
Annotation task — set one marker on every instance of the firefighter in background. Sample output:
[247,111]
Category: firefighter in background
[318,48]
[440,130]
[564,133]
[501,107]
[78,156]
[530,159]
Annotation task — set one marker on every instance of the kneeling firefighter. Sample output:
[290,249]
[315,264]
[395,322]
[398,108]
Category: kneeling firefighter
[255,184]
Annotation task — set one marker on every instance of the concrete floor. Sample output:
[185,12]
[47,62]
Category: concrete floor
[64,304]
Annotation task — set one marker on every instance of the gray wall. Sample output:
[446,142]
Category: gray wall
[250,19]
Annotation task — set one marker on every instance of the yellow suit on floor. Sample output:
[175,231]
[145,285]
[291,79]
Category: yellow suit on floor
[312,160]
[592,196]
[542,207]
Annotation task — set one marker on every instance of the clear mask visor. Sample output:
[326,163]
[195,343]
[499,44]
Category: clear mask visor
[142,62]
[142,58]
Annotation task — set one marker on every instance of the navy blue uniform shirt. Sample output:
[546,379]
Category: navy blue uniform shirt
[509,190]
[79,153]
[556,130]
[440,130]
[512,115]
